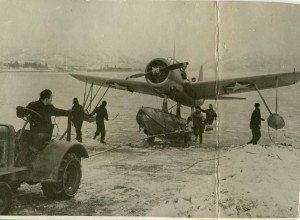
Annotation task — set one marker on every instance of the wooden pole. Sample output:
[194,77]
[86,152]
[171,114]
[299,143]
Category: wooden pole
[276,94]
[69,128]
[165,105]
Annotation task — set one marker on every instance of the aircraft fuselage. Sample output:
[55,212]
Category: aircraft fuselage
[170,83]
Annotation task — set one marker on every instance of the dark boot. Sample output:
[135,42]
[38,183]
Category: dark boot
[79,138]
[200,138]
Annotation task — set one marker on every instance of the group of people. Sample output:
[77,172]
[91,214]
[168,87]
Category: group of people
[78,117]
[42,125]
[43,129]
[197,123]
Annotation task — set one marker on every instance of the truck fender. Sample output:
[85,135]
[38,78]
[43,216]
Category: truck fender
[47,162]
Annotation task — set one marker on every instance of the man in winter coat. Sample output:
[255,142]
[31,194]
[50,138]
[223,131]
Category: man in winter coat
[78,115]
[255,123]
[211,115]
[101,115]
[198,124]
[41,126]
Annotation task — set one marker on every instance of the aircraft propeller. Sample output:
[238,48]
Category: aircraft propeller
[157,70]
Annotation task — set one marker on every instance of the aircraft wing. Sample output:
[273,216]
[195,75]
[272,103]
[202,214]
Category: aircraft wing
[122,84]
[215,89]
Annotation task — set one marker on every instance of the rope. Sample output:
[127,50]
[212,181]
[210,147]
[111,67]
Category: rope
[264,101]
[64,134]
[57,129]
[140,139]
[114,117]
[172,107]
[270,135]
[199,162]
[157,122]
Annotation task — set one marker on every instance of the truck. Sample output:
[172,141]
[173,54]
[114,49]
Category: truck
[56,166]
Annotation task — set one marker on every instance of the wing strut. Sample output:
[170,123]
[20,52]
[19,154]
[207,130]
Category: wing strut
[92,99]
[262,98]
[102,97]
[86,97]
[275,120]
[84,92]
[87,105]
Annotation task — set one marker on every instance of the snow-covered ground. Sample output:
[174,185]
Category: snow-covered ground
[253,181]
[222,178]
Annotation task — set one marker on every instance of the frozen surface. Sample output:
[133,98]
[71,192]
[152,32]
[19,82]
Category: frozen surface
[169,180]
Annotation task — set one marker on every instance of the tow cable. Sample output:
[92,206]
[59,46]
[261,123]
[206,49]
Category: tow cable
[275,120]
[131,142]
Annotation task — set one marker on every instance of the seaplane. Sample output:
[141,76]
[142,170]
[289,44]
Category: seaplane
[167,78]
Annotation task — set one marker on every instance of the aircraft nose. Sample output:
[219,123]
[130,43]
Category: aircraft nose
[140,117]
[144,114]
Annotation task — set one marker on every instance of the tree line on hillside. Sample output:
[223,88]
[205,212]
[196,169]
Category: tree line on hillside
[35,65]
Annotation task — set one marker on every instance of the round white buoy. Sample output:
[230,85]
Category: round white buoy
[276,121]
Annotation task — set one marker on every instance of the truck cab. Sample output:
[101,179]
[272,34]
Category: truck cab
[56,164]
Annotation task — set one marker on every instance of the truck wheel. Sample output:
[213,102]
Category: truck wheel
[5,198]
[69,176]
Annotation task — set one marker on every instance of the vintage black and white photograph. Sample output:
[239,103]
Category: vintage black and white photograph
[125,108]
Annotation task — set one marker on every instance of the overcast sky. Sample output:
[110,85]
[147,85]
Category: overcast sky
[148,29]
[267,32]
[140,29]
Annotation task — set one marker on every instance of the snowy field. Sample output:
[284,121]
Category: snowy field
[221,178]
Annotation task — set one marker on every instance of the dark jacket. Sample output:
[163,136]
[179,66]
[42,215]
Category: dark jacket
[198,120]
[44,124]
[256,119]
[78,114]
[101,114]
[210,115]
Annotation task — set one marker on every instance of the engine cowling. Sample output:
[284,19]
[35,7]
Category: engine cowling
[165,80]
[158,75]
[169,83]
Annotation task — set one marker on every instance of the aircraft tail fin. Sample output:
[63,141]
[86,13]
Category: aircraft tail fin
[200,76]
